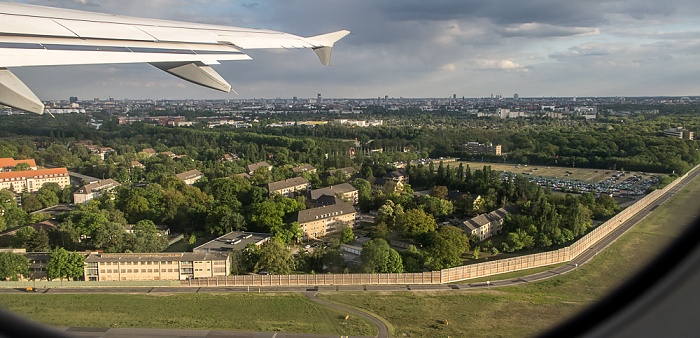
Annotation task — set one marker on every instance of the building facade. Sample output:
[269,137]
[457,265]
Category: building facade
[190,177]
[91,191]
[7,164]
[251,168]
[486,225]
[344,191]
[289,187]
[32,180]
[319,222]
[476,148]
[680,132]
[156,266]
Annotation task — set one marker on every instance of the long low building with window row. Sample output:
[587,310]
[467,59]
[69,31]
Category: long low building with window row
[156,266]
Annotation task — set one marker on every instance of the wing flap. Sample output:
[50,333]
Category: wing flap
[14,93]
[200,74]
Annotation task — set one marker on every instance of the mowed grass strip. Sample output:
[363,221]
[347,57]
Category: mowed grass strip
[237,312]
[529,309]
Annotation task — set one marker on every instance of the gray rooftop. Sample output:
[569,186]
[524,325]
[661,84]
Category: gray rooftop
[235,240]
[97,186]
[332,190]
[255,166]
[309,215]
[189,174]
[289,183]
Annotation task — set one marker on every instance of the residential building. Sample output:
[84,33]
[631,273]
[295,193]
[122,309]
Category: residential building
[251,168]
[91,191]
[156,266]
[388,185]
[149,151]
[229,157]
[7,164]
[399,176]
[231,241]
[680,132]
[486,225]
[168,153]
[349,171]
[32,180]
[137,164]
[319,222]
[476,148]
[190,177]
[344,191]
[101,152]
[306,168]
[289,187]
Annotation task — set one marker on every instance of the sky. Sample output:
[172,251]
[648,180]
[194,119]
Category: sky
[417,48]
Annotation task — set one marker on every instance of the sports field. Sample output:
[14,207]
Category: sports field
[582,174]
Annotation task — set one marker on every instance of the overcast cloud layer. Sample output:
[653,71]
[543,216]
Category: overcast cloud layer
[418,48]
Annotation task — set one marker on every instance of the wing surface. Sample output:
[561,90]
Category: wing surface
[44,36]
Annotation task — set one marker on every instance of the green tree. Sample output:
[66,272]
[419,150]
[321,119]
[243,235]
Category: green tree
[111,238]
[22,167]
[347,236]
[22,237]
[439,191]
[445,248]
[63,264]
[415,222]
[39,242]
[13,266]
[31,203]
[275,258]
[147,238]
[378,256]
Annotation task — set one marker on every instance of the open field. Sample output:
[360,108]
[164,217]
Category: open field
[239,312]
[528,309]
[582,174]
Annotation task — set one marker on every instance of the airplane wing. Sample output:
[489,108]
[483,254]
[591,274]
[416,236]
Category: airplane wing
[44,36]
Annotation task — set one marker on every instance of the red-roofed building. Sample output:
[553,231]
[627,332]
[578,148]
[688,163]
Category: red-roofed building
[31,181]
[9,163]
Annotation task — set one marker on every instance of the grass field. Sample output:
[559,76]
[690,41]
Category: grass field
[525,310]
[583,174]
[239,312]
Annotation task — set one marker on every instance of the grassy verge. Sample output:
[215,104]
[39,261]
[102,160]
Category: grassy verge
[529,309]
[239,312]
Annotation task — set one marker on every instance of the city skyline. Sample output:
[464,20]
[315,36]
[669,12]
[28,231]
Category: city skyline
[416,49]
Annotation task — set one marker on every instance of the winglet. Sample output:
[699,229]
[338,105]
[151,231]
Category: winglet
[196,73]
[14,93]
[325,44]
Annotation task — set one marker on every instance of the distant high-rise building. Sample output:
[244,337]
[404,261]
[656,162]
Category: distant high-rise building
[454,96]
[319,99]
[73,99]
[680,132]
[516,96]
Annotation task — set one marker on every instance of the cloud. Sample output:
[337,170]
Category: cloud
[421,48]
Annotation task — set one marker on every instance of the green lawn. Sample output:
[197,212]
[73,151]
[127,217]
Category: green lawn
[529,309]
[239,312]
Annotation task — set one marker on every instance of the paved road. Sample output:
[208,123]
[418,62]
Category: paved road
[383,329]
